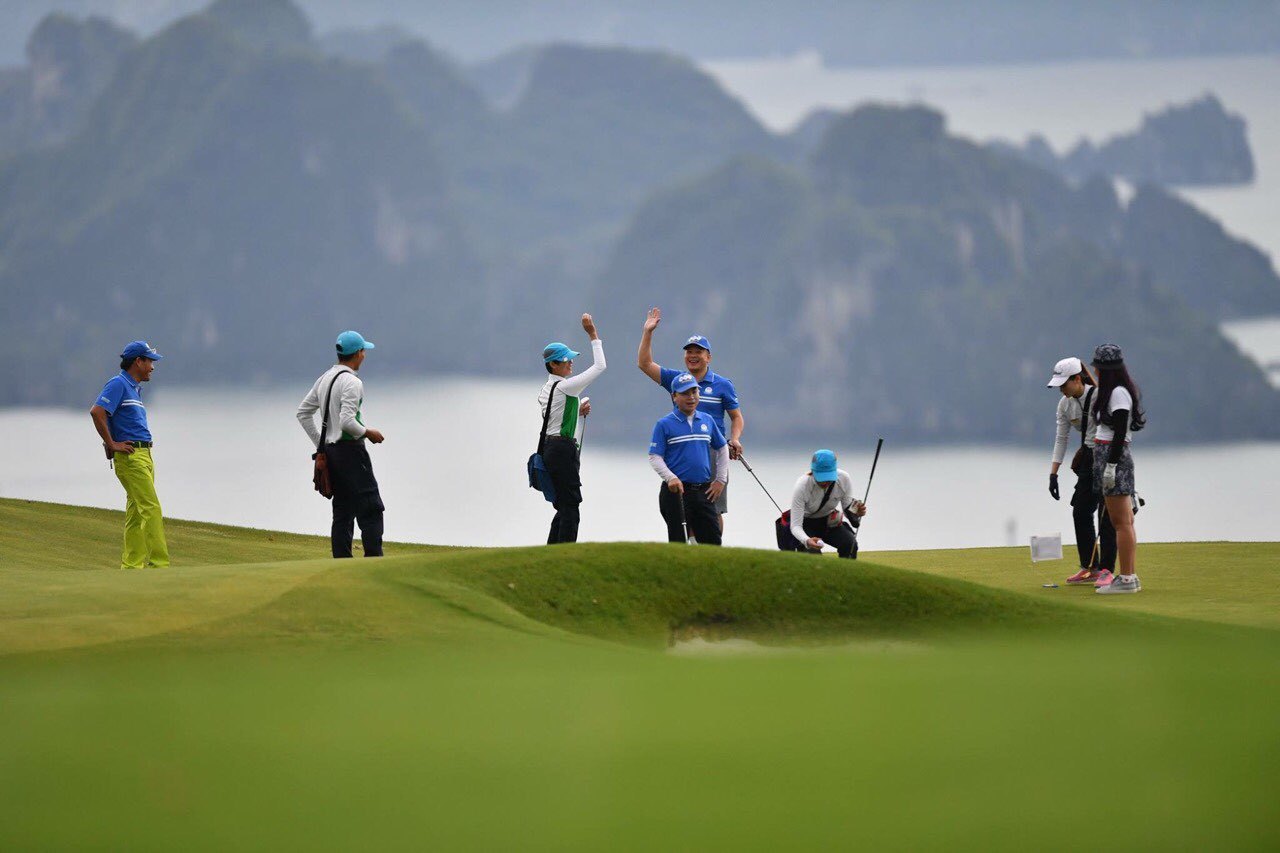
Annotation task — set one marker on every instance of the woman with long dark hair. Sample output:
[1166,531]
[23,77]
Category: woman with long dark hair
[1097,550]
[1118,410]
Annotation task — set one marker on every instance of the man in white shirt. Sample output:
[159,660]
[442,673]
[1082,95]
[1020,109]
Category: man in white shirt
[562,405]
[821,499]
[356,498]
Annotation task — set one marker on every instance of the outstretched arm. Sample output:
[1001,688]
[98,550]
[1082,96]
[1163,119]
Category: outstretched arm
[644,358]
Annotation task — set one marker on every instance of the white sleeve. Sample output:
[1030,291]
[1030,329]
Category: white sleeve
[307,415]
[660,465]
[575,385]
[798,495]
[720,470]
[350,393]
[1063,432]
[1120,401]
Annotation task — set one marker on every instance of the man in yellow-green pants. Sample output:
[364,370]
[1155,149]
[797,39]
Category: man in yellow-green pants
[121,421]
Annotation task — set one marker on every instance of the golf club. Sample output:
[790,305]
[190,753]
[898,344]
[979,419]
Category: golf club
[684,522]
[743,460]
[879,444]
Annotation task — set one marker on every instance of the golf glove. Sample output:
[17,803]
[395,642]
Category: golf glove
[1053,486]
[1109,476]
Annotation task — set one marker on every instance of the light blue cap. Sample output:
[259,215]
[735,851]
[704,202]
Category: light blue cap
[698,341]
[823,466]
[140,349]
[557,352]
[683,382]
[350,343]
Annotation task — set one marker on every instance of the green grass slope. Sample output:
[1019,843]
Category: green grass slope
[512,698]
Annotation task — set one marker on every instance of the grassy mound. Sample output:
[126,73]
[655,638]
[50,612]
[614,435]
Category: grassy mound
[276,699]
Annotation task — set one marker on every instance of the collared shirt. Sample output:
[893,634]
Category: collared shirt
[807,500]
[565,418]
[121,397]
[1071,415]
[685,444]
[716,394]
[345,421]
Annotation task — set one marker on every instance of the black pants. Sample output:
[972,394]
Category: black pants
[355,499]
[1084,506]
[561,457]
[841,537]
[699,512]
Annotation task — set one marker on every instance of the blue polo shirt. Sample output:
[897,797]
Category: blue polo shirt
[686,446]
[716,394]
[126,416]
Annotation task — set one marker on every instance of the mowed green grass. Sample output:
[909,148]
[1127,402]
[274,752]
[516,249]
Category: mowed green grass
[520,698]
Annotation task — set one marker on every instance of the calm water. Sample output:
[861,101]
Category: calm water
[464,484]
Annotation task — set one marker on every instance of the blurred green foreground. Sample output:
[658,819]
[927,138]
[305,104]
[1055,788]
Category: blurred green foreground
[625,696]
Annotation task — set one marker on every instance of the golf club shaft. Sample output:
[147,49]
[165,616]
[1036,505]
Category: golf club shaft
[874,462]
[684,519]
[743,460]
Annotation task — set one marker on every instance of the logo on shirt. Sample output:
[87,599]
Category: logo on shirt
[704,427]
[708,389]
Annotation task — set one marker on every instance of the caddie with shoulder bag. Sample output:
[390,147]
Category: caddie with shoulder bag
[342,469]
[1096,551]
[554,469]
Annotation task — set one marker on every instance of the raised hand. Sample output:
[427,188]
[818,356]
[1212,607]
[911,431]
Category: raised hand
[653,319]
[589,326]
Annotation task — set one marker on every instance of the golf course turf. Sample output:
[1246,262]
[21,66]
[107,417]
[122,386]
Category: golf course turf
[260,696]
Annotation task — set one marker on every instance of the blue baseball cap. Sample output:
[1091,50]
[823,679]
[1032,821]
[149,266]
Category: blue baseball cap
[823,466]
[557,352]
[698,341]
[683,382]
[350,343]
[140,349]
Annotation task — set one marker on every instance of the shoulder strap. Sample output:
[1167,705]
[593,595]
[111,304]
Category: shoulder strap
[826,495]
[1084,414]
[546,417]
[324,423]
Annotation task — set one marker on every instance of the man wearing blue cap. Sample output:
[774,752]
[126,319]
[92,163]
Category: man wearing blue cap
[121,421]
[356,499]
[717,396]
[823,497]
[690,454]
[562,408]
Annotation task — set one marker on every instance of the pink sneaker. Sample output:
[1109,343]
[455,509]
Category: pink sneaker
[1104,579]
[1083,576]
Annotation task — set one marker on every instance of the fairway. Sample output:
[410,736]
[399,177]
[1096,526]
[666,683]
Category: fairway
[260,696]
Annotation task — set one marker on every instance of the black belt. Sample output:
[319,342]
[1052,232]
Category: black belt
[696,486]
[561,438]
[145,444]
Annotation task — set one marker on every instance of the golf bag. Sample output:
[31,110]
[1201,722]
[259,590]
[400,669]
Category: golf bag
[539,476]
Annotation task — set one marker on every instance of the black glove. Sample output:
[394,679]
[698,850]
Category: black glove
[1053,486]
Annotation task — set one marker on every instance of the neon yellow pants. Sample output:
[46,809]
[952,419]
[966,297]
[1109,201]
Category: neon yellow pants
[144,543]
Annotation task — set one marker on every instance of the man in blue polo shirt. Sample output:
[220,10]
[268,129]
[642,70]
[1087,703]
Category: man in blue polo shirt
[690,454]
[717,396]
[121,421]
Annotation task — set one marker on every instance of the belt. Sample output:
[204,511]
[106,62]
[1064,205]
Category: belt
[696,485]
[561,438]
[143,444]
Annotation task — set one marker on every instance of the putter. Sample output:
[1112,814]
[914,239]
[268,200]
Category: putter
[684,522]
[874,462]
[743,460]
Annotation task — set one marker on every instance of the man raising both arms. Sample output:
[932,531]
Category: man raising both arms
[717,396]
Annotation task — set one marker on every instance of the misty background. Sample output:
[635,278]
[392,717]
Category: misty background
[890,219]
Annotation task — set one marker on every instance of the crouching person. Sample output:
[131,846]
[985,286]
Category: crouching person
[820,503]
[690,454]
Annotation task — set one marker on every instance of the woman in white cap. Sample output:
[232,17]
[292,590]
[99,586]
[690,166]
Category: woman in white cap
[1118,408]
[1073,379]
[822,497]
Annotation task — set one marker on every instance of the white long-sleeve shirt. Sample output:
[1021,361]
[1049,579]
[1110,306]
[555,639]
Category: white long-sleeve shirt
[1070,417]
[807,502]
[564,419]
[344,409]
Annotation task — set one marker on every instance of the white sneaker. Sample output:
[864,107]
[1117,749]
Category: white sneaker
[1120,585]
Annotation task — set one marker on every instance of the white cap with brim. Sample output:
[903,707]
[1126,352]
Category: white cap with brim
[1064,370]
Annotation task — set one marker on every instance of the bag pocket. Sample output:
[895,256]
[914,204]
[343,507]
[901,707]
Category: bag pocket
[540,477]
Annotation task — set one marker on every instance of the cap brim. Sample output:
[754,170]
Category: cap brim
[823,476]
[1057,380]
[368,345]
[685,388]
